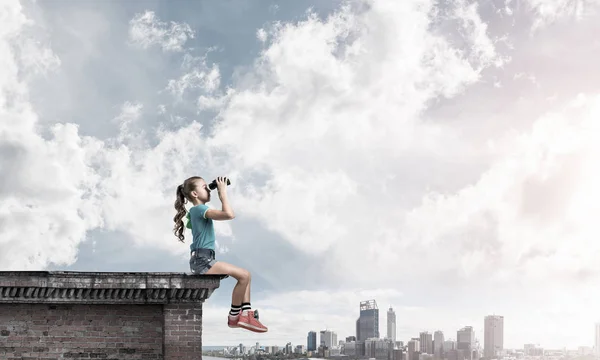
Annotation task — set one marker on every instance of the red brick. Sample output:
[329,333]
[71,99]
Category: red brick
[58,315]
[82,337]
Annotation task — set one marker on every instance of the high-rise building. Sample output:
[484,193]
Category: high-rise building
[449,345]
[311,341]
[328,338]
[367,324]
[465,341]
[438,344]
[391,324]
[426,340]
[597,344]
[412,347]
[493,336]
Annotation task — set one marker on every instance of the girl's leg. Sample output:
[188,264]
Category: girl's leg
[242,288]
[240,296]
[247,293]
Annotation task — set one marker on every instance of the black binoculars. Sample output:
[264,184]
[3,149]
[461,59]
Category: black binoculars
[213,184]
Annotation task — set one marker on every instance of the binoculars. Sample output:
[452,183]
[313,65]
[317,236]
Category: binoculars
[213,184]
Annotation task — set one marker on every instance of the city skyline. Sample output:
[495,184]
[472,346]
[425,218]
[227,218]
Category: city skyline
[489,344]
[522,347]
[496,328]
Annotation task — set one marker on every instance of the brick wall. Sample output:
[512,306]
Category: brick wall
[74,331]
[125,316]
[183,331]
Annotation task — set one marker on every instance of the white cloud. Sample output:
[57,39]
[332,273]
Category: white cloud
[127,118]
[550,11]
[526,218]
[147,30]
[199,75]
[261,35]
[334,104]
[44,182]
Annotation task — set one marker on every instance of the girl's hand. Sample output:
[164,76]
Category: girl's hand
[221,185]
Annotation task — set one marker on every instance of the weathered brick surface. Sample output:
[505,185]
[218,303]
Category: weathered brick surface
[46,331]
[74,315]
[183,331]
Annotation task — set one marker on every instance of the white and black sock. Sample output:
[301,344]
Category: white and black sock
[235,310]
[246,306]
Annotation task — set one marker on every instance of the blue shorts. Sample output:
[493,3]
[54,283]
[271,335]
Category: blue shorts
[201,260]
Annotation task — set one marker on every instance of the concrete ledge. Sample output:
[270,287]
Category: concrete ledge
[105,287]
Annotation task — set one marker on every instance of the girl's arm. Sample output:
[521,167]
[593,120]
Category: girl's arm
[226,212]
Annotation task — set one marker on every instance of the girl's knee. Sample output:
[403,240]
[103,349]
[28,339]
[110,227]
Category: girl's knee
[245,276]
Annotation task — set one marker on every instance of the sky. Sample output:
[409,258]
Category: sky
[438,157]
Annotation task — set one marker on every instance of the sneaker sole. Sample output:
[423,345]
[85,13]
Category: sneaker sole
[252,327]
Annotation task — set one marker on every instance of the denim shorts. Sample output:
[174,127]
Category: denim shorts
[201,260]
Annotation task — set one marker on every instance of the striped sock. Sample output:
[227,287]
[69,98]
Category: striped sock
[235,310]
[246,306]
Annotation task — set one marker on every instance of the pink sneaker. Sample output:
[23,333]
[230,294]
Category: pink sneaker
[249,321]
[232,321]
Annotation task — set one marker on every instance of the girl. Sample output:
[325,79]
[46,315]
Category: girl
[202,261]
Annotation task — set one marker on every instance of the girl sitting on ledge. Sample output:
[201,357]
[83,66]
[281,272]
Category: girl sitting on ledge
[202,260]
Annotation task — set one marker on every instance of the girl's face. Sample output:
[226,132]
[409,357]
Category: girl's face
[202,192]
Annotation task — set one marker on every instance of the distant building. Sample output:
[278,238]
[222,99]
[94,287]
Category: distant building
[378,348]
[465,341]
[412,348]
[391,324]
[311,341]
[532,350]
[426,342]
[438,341]
[449,345]
[493,336]
[328,339]
[367,324]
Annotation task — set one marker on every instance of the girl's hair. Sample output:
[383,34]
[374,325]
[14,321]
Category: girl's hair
[183,196]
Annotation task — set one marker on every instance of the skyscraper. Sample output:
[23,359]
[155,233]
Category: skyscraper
[413,349]
[597,348]
[465,341]
[328,338]
[391,324]
[311,341]
[438,341]
[426,342]
[493,336]
[367,324]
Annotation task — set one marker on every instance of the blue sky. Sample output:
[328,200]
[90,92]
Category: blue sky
[438,157]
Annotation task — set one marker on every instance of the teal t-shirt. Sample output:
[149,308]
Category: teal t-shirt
[203,231]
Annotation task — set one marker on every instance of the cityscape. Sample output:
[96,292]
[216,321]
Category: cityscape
[368,343]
